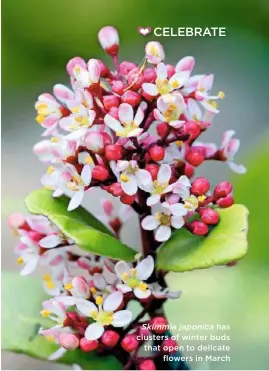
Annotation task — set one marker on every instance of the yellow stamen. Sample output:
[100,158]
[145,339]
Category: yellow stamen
[94,314]
[201,198]
[221,95]
[75,109]
[40,119]
[45,313]
[143,286]
[124,178]
[124,276]
[137,256]
[49,338]
[68,286]
[93,290]
[89,160]
[20,260]
[50,285]
[99,300]
[179,143]
[50,170]
[46,277]
[133,271]
[175,84]
[54,140]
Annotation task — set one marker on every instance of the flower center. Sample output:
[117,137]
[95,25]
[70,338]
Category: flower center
[159,188]
[164,219]
[163,86]
[191,203]
[171,113]
[127,128]
[105,318]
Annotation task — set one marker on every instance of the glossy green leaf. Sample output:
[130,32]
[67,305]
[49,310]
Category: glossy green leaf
[226,242]
[79,225]
[21,303]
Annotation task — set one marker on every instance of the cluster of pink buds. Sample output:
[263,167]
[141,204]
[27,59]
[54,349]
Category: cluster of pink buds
[132,131]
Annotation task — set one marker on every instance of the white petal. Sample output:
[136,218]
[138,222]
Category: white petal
[86,307]
[141,294]
[145,268]
[113,301]
[163,233]
[239,169]
[86,174]
[124,288]
[164,174]
[180,78]
[50,241]
[29,266]
[75,200]
[99,281]
[226,137]
[153,200]
[162,71]
[135,133]
[126,113]
[58,354]
[176,124]
[62,93]
[122,318]
[139,116]
[143,177]
[112,123]
[76,134]
[130,187]
[177,221]
[178,209]
[67,301]
[150,89]
[121,267]
[150,223]
[65,122]
[94,331]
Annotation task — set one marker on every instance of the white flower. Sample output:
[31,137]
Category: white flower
[230,147]
[170,111]
[133,278]
[162,85]
[104,315]
[55,150]
[128,125]
[160,186]
[194,113]
[29,255]
[182,186]
[132,177]
[163,293]
[52,284]
[55,310]
[84,78]
[162,222]
[154,52]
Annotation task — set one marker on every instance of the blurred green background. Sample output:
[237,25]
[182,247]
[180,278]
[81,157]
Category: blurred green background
[38,38]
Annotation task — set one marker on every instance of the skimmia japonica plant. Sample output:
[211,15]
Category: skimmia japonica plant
[134,132]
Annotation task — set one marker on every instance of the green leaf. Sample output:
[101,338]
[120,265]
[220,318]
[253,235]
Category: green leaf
[79,225]
[226,242]
[21,303]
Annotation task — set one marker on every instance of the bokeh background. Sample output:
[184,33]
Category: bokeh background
[38,38]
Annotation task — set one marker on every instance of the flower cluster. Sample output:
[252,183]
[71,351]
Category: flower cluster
[134,131]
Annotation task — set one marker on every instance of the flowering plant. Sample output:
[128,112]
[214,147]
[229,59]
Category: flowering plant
[133,132]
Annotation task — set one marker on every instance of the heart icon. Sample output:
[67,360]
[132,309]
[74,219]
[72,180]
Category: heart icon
[144,31]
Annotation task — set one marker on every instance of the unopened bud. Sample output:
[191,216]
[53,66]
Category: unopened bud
[110,101]
[110,338]
[104,70]
[118,87]
[200,186]
[154,52]
[188,170]
[209,216]
[195,157]
[114,112]
[148,364]
[193,129]
[223,189]
[170,70]
[153,170]
[114,152]
[198,228]
[130,343]
[150,75]
[96,141]
[68,341]
[226,201]
[162,129]
[156,153]
[131,97]
[76,61]
[127,200]
[126,67]
[100,173]
[169,346]
[135,79]
[159,325]
[88,345]
[109,39]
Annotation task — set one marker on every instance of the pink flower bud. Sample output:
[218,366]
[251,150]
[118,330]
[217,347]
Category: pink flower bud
[209,216]
[118,87]
[110,338]
[223,189]
[159,325]
[68,341]
[170,70]
[116,190]
[94,70]
[127,200]
[88,345]
[193,129]
[198,228]
[169,345]
[148,364]
[153,170]
[135,79]
[162,129]
[109,39]
[226,201]
[188,170]
[195,157]
[100,173]
[130,343]
[80,286]
[76,61]
[131,97]
[126,67]
[114,152]
[157,153]
[150,75]
[111,101]
[200,186]
[143,332]
[185,64]
[16,221]
[96,141]
[154,52]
